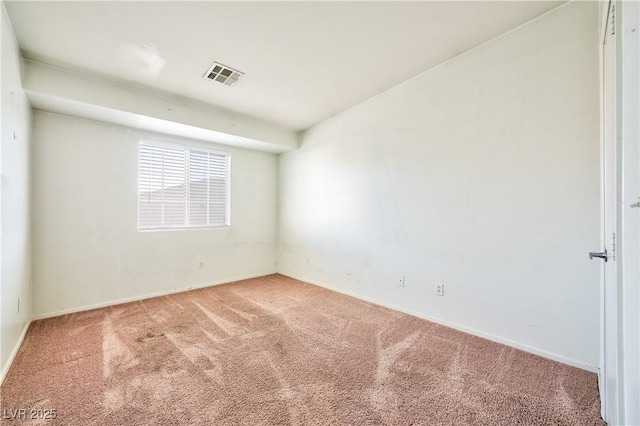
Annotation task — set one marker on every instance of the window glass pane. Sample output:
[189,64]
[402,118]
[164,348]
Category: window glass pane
[180,187]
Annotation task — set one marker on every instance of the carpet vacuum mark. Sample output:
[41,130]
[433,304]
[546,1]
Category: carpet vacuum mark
[277,351]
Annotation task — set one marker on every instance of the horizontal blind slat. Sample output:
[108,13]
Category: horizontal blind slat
[181,187]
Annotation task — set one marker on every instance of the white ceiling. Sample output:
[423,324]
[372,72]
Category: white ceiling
[304,61]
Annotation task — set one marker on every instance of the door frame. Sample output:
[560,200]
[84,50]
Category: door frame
[608,310]
[620,383]
[628,63]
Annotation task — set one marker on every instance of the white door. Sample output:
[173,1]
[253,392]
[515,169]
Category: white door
[609,315]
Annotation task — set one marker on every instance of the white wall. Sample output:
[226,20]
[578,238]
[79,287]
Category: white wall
[481,174]
[15,265]
[86,247]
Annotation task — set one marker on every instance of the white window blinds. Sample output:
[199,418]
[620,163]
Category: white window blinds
[182,187]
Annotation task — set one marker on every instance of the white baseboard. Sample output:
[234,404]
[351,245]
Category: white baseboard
[14,352]
[507,342]
[143,297]
[511,343]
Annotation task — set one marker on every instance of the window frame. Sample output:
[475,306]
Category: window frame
[187,148]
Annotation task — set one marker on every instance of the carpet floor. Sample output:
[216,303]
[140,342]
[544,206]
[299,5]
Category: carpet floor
[277,351]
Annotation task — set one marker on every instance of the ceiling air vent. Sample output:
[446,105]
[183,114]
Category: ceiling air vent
[223,74]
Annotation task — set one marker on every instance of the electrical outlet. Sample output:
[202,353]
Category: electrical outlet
[439,289]
[201,265]
[400,281]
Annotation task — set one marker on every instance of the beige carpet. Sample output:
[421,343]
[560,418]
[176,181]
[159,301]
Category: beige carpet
[278,351]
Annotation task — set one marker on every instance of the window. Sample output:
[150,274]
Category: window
[181,186]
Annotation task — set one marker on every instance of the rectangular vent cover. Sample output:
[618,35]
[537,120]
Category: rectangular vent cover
[223,74]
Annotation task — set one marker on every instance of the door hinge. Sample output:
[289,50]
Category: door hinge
[612,18]
[613,246]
